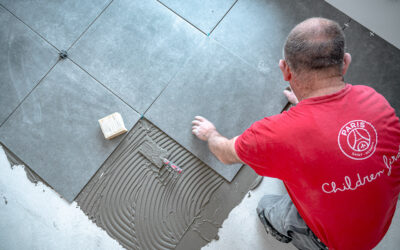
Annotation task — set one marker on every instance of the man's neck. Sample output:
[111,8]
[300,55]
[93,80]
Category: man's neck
[321,87]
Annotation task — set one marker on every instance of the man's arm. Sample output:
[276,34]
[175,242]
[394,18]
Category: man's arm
[221,147]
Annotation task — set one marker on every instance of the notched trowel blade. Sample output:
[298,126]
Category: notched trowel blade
[153,152]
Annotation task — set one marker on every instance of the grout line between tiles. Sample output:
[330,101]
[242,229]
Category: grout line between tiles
[34,31]
[87,28]
[162,91]
[37,84]
[222,17]
[173,77]
[112,92]
[182,17]
[285,107]
[108,157]
[239,57]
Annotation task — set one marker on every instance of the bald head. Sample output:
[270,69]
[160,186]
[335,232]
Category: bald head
[315,44]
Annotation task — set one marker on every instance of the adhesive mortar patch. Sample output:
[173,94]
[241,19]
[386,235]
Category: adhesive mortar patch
[143,205]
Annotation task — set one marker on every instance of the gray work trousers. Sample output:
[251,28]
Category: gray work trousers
[281,213]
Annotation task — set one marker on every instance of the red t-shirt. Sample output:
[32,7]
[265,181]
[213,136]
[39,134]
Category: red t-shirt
[339,158]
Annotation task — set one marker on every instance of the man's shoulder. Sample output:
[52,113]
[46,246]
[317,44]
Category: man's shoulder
[284,121]
[369,95]
[366,90]
[363,88]
[274,119]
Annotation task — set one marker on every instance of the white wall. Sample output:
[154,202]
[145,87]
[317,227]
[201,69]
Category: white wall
[380,16]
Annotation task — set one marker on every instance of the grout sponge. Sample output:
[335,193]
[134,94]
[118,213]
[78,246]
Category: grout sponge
[112,125]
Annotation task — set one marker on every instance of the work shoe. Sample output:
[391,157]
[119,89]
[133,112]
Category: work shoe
[271,230]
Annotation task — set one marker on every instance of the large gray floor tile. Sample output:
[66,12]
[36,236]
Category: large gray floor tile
[55,130]
[256,29]
[375,63]
[24,60]
[223,88]
[135,48]
[60,22]
[204,14]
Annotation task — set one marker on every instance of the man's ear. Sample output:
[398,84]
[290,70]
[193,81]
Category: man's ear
[346,63]
[287,75]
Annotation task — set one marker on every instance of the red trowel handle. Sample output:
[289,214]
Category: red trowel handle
[172,165]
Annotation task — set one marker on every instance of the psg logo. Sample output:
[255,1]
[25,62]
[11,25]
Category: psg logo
[357,139]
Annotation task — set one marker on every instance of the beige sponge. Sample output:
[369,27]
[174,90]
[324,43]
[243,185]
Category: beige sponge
[112,125]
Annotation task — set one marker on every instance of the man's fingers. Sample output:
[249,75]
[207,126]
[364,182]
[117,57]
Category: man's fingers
[200,118]
[196,122]
[195,131]
[287,93]
[290,96]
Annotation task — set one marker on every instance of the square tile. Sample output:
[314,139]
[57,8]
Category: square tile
[375,63]
[55,130]
[221,87]
[135,48]
[203,14]
[25,58]
[60,22]
[257,29]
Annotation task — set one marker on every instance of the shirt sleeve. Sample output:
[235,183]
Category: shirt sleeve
[256,147]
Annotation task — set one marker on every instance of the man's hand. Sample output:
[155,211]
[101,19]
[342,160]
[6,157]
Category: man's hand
[221,147]
[203,128]
[288,92]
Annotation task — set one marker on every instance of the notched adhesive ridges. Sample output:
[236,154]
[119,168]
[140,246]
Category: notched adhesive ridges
[142,204]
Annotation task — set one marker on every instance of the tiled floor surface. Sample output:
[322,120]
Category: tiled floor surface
[166,60]
[52,130]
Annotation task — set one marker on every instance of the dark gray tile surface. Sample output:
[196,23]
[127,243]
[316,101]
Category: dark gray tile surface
[375,63]
[256,29]
[135,48]
[223,88]
[55,130]
[60,22]
[204,14]
[24,60]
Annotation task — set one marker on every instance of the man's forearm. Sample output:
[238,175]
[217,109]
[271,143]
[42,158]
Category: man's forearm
[220,146]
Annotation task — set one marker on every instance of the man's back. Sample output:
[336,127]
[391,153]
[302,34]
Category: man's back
[339,158]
